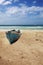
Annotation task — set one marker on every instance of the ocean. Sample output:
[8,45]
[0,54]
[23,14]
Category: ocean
[10,27]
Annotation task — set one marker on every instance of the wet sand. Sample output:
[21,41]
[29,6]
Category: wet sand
[28,50]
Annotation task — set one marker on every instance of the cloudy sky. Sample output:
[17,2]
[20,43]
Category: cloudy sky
[21,12]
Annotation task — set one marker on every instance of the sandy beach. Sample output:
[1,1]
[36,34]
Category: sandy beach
[28,50]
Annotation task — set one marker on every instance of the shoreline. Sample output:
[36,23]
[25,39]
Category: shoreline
[19,29]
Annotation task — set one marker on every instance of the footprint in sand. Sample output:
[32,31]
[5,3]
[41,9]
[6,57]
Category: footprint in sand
[37,39]
[0,57]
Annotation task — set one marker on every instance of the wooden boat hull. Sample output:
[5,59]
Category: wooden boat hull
[13,37]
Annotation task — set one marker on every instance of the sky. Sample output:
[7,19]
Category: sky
[21,12]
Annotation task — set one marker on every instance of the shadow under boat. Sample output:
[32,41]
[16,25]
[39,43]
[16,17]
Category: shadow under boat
[13,36]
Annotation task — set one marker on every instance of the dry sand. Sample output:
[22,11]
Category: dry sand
[28,50]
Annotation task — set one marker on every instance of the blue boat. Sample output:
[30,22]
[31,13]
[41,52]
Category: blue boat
[13,36]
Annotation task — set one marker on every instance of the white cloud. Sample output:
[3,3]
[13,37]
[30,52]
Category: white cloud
[17,10]
[1,1]
[4,2]
[7,2]
[12,10]
[21,14]
[23,9]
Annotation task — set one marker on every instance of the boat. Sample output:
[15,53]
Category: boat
[13,36]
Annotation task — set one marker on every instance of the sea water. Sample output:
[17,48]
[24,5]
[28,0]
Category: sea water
[21,27]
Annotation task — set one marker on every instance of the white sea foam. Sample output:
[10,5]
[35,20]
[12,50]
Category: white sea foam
[6,28]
